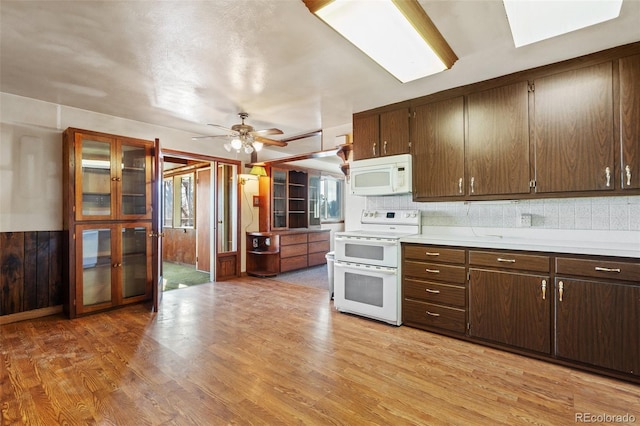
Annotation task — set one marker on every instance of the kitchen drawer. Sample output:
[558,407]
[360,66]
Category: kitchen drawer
[317,259]
[319,247]
[287,239]
[611,270]
[430,315]
[434,271]
[319,236]
[434,254]
[442,294]
[293,250]
[526,262]
[291,263]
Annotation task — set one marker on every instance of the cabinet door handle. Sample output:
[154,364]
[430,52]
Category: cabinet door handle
[607,174]
[384,147]
[601,269]
[460,186]
[544,289]
[428,290]
[560,290]
[374,149]
[501,259]
[473,181]
[627,172]
[432,314]
[431,253]
[433,271]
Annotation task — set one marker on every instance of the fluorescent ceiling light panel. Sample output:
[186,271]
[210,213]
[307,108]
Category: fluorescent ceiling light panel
[383,32]
[535,20]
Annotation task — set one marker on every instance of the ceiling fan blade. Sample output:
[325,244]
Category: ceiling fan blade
[226,129]
[209,137]
[265,132]
[268,141]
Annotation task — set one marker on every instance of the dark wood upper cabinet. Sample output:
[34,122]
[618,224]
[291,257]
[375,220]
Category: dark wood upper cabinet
[394,132]
[598,324]
[438,149]
[366,136]
[498,141]
[573,121]
[629,71]
[381,134]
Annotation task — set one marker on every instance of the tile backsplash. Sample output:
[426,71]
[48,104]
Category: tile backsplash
[592,213]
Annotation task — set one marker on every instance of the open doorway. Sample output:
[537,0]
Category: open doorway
[200,220]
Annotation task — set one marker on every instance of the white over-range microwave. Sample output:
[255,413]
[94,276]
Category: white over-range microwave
[381,176]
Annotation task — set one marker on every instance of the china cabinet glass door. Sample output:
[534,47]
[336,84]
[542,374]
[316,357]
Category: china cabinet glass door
[135,250]
[94,287]
[279,182]
[134,197]
[96,183]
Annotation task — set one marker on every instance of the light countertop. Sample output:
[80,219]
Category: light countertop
[603,243]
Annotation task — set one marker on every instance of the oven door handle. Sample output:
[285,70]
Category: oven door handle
[368,242]
[373,269]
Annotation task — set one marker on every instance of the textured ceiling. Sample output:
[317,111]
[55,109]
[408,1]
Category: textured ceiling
[182,64]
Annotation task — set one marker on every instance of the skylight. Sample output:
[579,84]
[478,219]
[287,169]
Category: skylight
[535,20]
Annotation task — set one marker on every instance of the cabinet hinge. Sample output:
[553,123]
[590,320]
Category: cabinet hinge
[74,209]
[532,183]
[414,114]
[74,235]
[468,326]
[468,276]
[532,87]
[74,302]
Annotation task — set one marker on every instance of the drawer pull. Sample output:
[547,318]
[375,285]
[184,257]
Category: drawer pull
[544,289]
[433,271]
[601,269]
[428,290]
[500,259]
[432,314]
[560,290]
[430,253]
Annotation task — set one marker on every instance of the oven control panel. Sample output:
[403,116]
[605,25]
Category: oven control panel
[391,217]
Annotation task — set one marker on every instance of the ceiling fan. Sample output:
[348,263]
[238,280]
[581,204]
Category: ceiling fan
[244,137]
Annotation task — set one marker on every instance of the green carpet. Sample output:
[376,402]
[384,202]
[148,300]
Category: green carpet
[175,275]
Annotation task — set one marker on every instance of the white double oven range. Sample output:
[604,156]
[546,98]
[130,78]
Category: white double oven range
[367,276]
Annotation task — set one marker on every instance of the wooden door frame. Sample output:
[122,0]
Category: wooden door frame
[202,157]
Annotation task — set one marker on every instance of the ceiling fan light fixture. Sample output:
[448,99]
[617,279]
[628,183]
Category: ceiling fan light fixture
[257,146]
[227,147]
[248,149]
[397,34]
[236,143]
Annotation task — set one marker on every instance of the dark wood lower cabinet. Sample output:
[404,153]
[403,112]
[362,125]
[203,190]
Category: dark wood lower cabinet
[598,324]
[510,308]
[572,309]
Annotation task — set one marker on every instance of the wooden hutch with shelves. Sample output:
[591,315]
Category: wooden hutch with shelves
[107,221]
[290,237]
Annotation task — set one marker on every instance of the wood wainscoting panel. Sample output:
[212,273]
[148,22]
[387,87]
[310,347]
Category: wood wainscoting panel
[31,271]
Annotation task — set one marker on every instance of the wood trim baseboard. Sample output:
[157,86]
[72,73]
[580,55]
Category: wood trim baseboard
[32,314]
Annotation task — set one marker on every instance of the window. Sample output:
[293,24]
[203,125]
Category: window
[167,190]
[187,200]
[179,201]
[331,199]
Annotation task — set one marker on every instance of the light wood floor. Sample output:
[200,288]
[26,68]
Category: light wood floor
[256,351]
